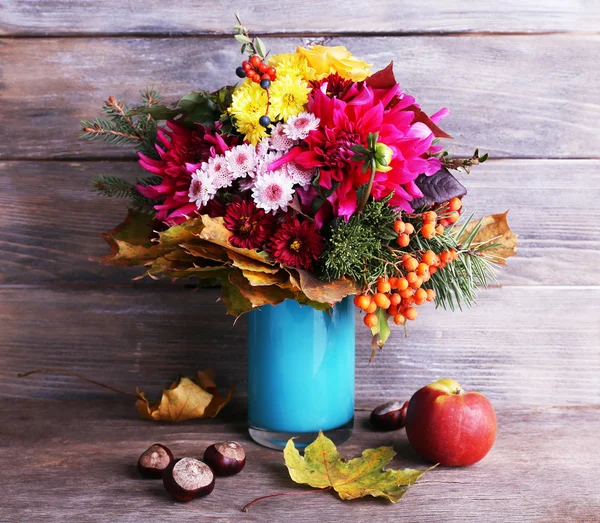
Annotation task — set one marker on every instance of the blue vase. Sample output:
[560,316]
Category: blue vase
[300,373]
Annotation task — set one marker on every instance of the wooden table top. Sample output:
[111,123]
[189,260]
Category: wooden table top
[76,461]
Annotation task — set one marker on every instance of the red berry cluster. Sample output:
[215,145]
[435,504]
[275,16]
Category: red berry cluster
[258,70]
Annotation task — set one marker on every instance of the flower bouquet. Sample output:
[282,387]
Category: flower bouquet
[311,180]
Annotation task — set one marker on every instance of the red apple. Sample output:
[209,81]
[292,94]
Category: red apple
[447,425]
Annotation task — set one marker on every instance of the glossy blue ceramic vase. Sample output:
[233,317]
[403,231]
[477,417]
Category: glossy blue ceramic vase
[300,373]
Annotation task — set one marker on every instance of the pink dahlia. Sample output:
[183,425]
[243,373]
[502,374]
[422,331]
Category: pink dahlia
[181,152]
[296,244]
[347,114]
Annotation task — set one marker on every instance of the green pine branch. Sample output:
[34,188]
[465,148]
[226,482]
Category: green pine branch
[115,187]
[120,127]
[458,282]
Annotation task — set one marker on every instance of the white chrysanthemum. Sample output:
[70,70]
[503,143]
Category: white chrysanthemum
[262,148]
[297,127]
[279,140]
[241,160]
[202,188]
[273,191]
[218,171]
[300,175]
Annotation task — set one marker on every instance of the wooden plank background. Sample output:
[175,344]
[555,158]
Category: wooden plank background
[520,78]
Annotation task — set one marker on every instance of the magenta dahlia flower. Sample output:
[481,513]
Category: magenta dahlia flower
[348,113]
[181,152]
[296,244]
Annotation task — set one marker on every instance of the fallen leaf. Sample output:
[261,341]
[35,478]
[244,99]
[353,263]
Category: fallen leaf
[495,230]
[185,399]
[322,466]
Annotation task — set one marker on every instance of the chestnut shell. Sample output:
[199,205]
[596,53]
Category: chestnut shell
[151,466]
[174,479]
[389,416]
[226,459]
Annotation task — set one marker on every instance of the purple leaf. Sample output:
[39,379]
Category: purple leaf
[439,188]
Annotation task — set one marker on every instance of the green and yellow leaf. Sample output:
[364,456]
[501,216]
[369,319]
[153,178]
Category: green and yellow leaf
[322,466]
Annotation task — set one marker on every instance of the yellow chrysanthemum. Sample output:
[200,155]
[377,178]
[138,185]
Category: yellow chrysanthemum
[292,64]
[249,99]
[328,60]
[248,125]
[289,95]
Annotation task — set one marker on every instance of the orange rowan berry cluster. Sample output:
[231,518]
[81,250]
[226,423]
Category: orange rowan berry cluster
[452,212]
[399,295]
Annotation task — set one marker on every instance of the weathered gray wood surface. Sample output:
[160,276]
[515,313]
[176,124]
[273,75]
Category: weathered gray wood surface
[48,236]
[75,461]
[530,99]
[517,96]
[87,17]
[522,345]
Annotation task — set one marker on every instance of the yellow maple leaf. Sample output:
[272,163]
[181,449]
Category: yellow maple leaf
[185,399]
[323,467]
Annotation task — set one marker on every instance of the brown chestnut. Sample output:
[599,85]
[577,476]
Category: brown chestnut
[154,461]
[226,459]
[188,478]
[389,416]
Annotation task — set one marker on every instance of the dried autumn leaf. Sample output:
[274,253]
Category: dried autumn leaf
[242,262]
[259,295]
[215,232]
[130,241]
[322,466]
[495,230]
[317,290]
[185,399]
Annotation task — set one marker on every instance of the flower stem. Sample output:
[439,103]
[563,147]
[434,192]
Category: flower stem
[247,507]
[365,198]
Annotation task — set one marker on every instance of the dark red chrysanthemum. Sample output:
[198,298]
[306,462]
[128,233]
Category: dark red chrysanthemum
[296,244]
[337,86]
[251,226]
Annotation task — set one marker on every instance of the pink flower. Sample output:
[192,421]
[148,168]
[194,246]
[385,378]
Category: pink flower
[181,151]
[346,121]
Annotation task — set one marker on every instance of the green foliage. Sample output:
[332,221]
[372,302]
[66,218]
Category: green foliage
[114,187]
[251,45]
[358,249]
[122,127]
[201,107]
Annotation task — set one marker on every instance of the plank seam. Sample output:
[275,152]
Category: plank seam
[344,34]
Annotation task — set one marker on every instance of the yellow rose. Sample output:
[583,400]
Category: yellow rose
[329,60]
